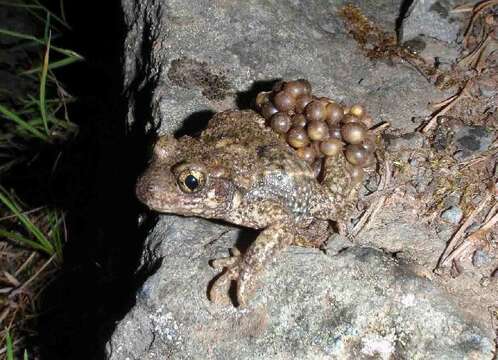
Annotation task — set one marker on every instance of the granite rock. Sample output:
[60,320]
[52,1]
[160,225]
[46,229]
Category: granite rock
[185,60]
[214,55]
[360,303]
[431,18]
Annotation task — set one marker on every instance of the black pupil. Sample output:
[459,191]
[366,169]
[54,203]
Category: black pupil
[191,182]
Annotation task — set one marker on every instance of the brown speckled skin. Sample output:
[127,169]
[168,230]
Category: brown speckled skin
[253,179]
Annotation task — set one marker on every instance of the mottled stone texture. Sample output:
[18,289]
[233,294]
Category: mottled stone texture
[432,18]
[185,59]
[209,55]
[358,304]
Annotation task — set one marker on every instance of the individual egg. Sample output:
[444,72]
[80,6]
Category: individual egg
[315,110]
[280,122]
[350,118]
[355,154]
[306,84]
[307,154]
[318,130]
[296,88]
[353,133]
[262,98]
[346,110]
[331,147]
[335,132]
[357,174]
[301,103]
[334,113]
[299,121]
[297,138]
[284,101]
[268,110]
[357,110]
[367,121]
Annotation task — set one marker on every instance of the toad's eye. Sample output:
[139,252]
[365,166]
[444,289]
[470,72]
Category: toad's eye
[191,180]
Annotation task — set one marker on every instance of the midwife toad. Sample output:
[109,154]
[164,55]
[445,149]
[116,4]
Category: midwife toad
[242,172]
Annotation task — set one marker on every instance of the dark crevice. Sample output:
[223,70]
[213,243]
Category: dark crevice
[403,12]
[94,185]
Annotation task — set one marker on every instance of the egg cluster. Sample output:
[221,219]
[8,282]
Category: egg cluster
[318,127]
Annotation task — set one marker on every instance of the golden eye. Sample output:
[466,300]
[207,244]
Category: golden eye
[191,180]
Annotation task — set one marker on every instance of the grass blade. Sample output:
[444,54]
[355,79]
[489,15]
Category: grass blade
[41,42]
[61,21]
[10,347]
[17,238]
[28,225]
[53,65]
[36,6]
[43,85]
[23,124]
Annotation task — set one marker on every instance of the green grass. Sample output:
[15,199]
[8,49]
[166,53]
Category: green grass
[9,348]
[36,119]
[31,235]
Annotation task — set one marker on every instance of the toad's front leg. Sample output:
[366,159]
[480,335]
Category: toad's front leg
[244,269]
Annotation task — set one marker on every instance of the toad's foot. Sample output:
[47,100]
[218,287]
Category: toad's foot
[244,269]
[221,286]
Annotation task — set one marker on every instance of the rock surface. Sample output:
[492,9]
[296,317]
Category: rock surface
[432,18]
[215,55]
[362,303]
[185,60]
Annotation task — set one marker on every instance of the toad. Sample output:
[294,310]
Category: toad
[240,171]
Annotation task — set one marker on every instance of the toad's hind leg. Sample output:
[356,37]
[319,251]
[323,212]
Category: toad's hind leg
[244,269]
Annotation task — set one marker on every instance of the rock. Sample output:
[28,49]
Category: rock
[408,141]
[453,214]
[480,258]
[435,52]
[488,86]
[360,303]
[210,56]
[185,60]
[471,140]
[431,18]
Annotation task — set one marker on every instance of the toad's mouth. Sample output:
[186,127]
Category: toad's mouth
[168,199]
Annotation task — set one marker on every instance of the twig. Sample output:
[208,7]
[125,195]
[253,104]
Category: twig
[472,240]
[23,212]
[35,275]
[491,213]
[478,8]
[28,260]
[447,105]
[378,128]
[373,209]
[462,8]
[474,58]
[480,158]
[444,259]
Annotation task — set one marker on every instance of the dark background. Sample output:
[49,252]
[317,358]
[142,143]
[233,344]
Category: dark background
[95,185]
